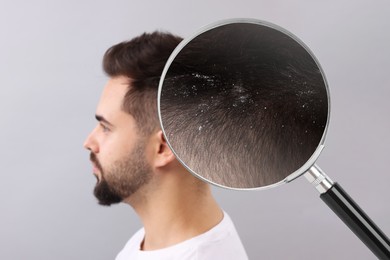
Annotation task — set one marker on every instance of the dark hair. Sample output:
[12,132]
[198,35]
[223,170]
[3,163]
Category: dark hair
[244,105]
[142,60]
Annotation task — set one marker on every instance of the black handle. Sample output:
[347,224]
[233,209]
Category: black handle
[355,218]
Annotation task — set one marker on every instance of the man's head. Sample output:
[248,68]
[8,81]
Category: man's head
[127,145]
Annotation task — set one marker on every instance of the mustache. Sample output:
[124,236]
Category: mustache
[95,160]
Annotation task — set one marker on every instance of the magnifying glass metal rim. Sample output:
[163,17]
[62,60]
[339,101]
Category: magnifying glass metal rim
[305,167]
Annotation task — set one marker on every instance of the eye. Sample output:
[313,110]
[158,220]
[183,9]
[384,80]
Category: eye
[104,128]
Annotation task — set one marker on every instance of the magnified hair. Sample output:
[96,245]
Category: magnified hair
[244,105]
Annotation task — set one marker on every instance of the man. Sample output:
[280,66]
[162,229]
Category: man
[134,164]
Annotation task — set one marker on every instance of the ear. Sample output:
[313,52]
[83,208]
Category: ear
[163,155]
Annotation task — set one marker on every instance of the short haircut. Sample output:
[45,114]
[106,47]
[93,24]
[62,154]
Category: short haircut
[142,60]
[244,105]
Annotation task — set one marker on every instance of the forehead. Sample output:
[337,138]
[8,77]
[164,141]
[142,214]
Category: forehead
[113,94]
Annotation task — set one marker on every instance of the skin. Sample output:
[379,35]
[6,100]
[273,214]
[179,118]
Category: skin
[173,205]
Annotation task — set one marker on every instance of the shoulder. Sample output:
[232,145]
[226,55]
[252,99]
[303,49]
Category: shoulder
[220,242]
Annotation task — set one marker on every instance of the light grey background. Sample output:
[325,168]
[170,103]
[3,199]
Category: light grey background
[51,79]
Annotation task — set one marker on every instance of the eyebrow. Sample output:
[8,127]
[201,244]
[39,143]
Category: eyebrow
[102,119]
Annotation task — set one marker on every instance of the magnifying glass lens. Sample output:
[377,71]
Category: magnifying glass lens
[243,105]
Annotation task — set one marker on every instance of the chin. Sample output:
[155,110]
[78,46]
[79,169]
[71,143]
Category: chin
[105,195]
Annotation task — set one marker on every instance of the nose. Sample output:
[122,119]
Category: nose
[91,144]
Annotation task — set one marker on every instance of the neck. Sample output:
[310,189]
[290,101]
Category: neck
[175,209]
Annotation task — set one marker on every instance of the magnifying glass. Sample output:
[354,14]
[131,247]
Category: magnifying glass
[245,105]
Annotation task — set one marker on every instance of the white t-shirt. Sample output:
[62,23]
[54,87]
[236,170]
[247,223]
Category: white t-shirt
[220,242]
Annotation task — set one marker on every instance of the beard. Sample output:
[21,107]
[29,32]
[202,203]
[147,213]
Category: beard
[123,178]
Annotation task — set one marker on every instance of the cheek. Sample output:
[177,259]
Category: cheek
[114,148]
[149,153]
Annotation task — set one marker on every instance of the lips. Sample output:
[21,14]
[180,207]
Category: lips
[95,163]
[95,169]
